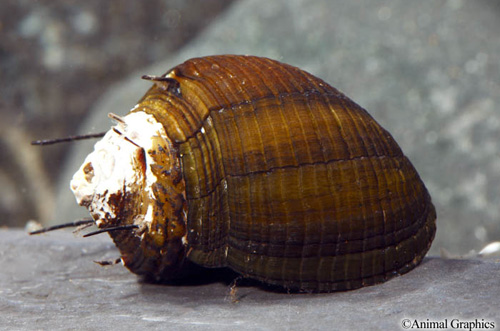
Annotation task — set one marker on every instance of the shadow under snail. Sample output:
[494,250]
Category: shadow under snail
[251,164]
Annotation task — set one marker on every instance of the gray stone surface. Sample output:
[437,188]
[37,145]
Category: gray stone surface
[428,71]
[49,282]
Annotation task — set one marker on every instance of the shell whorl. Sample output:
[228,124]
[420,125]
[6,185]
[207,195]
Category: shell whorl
[286,179]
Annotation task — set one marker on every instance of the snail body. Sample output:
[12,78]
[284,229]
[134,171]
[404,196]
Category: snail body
[248,163]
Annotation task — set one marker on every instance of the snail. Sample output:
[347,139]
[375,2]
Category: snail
[251,164]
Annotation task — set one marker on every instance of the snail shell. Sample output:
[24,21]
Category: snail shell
[248,163]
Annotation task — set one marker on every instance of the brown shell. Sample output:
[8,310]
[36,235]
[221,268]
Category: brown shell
[287,180]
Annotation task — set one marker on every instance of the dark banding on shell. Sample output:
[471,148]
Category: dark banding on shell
[287,180]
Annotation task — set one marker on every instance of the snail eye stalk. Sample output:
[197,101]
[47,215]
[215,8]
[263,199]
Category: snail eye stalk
[68,139]
[85,221]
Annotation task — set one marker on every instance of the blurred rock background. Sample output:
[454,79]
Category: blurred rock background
[57,57]
[429,72]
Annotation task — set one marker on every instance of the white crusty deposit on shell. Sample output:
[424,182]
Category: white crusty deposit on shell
[113,166]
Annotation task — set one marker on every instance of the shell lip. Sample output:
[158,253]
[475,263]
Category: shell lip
[124,182]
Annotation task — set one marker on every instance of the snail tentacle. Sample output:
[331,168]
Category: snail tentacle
[115,228]
[85,221]
[44,142]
